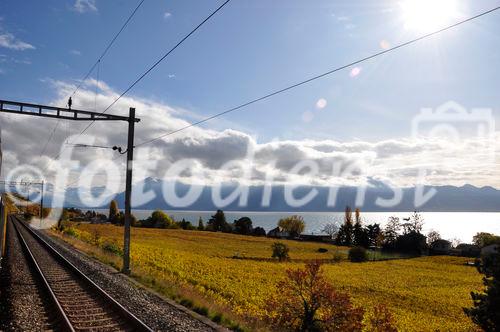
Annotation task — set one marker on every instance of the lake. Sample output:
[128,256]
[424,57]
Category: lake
[461,225]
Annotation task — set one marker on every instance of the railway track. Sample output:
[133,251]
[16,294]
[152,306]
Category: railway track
[78,303]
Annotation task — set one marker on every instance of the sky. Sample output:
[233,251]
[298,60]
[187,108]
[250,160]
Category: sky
[362,114]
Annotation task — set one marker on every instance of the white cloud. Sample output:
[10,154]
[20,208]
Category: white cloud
[75,52]
[9,41]
[167,15]
[396,161]
[83,6]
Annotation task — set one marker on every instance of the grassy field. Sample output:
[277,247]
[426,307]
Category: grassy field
[233,275]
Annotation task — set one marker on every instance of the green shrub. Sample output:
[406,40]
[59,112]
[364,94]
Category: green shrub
[235,327]
[61,225]
[70,231]
[280,251]
[201,310]
[358,254]
[95,238]
[337,257]
[112,247]
[187,303]
[217,318]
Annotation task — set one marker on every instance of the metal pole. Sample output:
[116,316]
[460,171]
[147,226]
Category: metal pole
[27,198]
[128,192]
[41,207]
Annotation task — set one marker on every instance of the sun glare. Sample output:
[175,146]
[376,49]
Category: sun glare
[428,15]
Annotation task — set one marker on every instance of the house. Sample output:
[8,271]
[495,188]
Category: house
[491,249]
[440,247]
[466,250]
[278,232]
[315,238]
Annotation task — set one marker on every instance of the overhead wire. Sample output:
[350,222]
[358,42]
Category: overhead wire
[108,47]
[97,63]
[316,77]
[130,87]
[282,90]
[50,137]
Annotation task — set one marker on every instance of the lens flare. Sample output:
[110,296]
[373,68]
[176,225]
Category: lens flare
[355,71]
[321,103]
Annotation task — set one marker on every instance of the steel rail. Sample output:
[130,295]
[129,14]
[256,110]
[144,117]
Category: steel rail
[131,320]
[64,320]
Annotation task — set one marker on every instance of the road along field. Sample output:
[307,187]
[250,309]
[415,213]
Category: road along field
[232,275]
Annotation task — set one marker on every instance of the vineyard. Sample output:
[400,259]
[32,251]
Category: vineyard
[234,275]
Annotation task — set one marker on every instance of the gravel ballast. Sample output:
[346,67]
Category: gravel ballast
[23,305]
[158,313]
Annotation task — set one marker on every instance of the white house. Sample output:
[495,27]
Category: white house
[278,232]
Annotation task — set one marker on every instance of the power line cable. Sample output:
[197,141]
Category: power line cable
[97,63]
[295,85]
[108,47]
[50,137]
[314,77]
[97,86]
[90,146]
[67,187]
[158,62]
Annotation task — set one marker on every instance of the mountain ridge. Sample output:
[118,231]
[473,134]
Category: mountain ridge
[466,198]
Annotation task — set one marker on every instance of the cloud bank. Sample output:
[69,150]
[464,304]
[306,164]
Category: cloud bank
[233,156]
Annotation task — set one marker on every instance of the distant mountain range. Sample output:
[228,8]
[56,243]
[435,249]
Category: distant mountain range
[446,199]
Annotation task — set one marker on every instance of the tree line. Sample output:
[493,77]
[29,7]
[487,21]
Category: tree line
[160,219]
[398,236]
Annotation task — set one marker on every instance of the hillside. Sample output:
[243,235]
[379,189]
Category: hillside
[232,274]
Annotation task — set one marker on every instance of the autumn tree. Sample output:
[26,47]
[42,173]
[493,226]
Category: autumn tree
[432,236]
[414,225]
[391,232]
[360,234]
[306,301]
[375,236]
[218,223]
[113,212]
[200,227]
[133,221]
[158,219]
[294,225]
[243,226]
[345,233]
[483,239]
[382,320]
[331,229]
